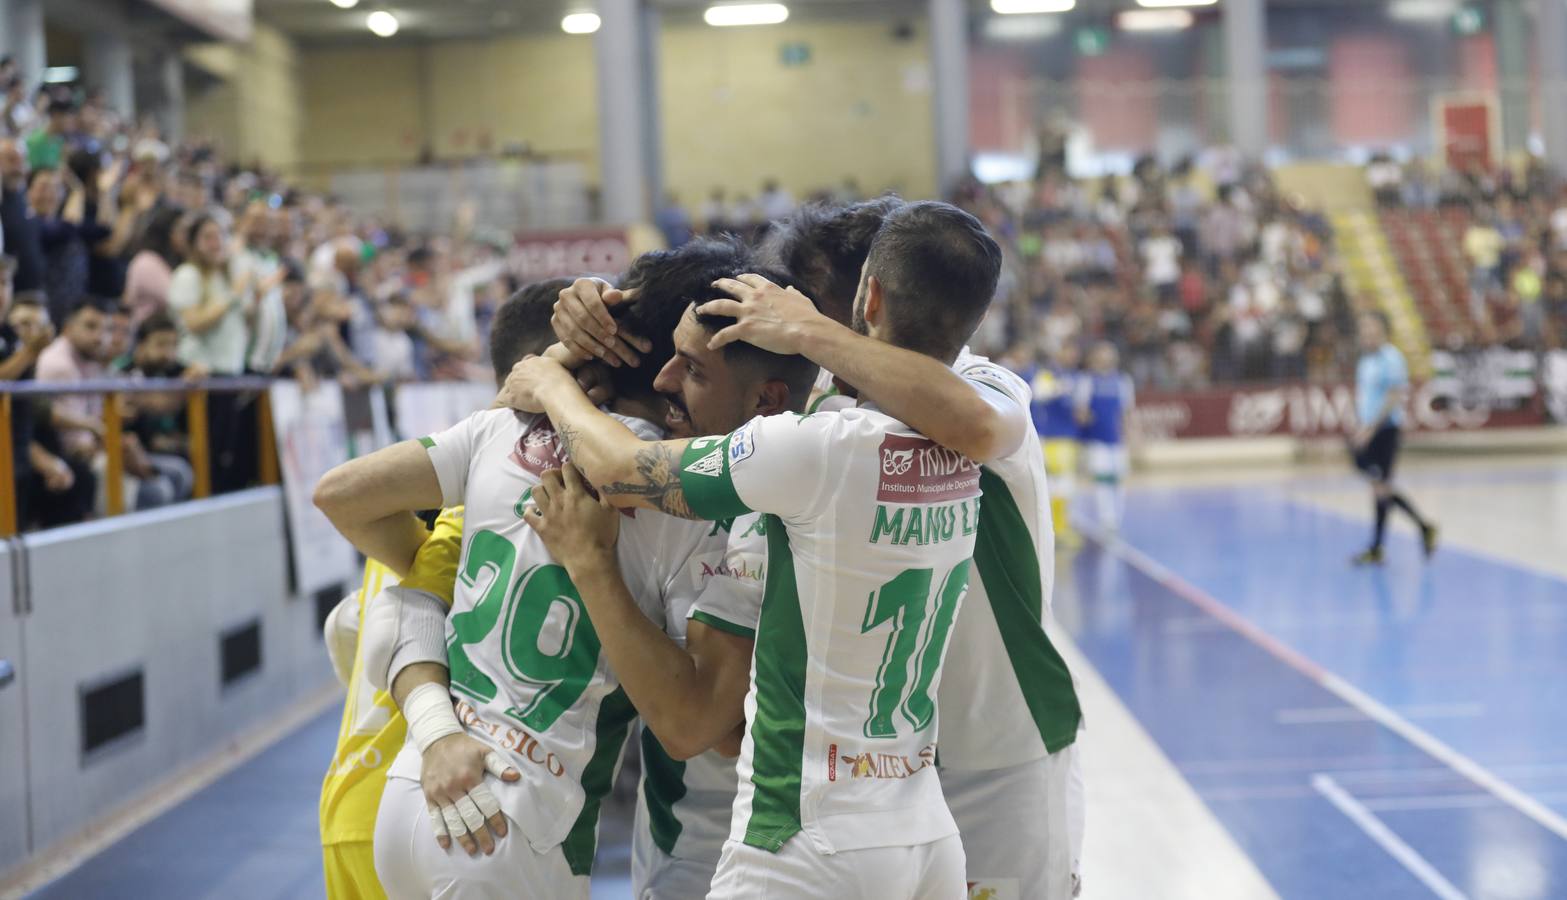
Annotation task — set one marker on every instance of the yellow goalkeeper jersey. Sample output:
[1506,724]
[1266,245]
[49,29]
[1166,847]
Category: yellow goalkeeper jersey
[373,730]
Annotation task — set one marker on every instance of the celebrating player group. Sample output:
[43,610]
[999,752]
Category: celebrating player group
[760,507]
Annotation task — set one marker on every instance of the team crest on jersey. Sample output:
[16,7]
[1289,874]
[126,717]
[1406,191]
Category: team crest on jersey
[538,450]
[711,465]
[919,470]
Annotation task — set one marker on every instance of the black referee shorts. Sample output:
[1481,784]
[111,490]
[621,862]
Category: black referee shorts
[1377,456]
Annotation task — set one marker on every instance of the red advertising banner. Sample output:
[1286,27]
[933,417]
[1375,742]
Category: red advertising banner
[1313,410]
[1467,128]
[560,254]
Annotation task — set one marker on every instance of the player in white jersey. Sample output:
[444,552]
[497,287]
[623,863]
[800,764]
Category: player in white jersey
[684,802]
[870,528]
[533,689]
[1008,757]
[689,683]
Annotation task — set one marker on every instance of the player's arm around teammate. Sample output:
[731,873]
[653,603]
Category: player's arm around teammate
[628,471]
[693,697]
[954,411]
[369,501]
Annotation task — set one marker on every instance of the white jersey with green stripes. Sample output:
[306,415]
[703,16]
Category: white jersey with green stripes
[686,805]
[1006,695]
[526,666]
[870,527]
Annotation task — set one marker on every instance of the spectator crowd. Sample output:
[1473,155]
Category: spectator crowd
[1198,278]
[124,255]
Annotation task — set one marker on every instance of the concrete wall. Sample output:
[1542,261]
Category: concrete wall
[255,109]
[733,112]
[150,592]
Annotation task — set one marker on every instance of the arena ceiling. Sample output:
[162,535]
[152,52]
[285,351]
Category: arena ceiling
[321,21]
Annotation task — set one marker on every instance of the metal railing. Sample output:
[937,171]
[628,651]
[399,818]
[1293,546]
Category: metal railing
[114,392]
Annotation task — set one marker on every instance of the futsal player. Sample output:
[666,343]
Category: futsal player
[1054,394]
[372,731]
[1103,403]
[1381,390]
[838,791]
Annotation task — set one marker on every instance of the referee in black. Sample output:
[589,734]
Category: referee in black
[1381,389]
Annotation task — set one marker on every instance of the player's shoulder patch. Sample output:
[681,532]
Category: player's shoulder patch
[711,465]
[741,444]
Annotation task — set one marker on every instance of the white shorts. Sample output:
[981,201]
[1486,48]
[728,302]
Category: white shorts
[1107,463]
[655,875]
[411,864]
[1022,826]
[932,871]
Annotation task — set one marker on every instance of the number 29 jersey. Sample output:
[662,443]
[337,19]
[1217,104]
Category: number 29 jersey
[870,527]
[525,660]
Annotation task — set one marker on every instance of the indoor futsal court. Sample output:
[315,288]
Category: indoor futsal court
[1263,724]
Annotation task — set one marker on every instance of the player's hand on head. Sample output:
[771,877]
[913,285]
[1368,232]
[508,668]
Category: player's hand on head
[520,392]
[583,322]
[579,527]
[766,315]
[462,807]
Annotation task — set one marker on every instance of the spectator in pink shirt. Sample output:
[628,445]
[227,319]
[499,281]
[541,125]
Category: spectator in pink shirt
[147,279]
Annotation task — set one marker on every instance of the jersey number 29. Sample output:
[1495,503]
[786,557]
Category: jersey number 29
[542,597]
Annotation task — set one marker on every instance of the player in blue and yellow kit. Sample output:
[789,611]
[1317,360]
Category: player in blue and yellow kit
[1055,421]
[1103,403]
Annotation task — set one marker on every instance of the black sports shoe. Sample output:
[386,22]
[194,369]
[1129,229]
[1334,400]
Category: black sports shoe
[1428,539]
[1371,557]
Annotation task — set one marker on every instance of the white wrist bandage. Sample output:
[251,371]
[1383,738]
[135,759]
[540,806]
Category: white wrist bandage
[428,709]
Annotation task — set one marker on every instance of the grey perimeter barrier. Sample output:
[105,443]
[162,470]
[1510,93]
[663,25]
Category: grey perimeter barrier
[138,645]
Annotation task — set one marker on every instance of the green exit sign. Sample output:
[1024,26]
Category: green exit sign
[797,53]
[1091,41]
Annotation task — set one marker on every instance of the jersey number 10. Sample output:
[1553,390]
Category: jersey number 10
[559,676]
[905,601]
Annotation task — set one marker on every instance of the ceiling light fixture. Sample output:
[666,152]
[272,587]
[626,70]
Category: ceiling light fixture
[1421,10]
[1154,20]
[345,4]
[746,14]
[580,23]
[1031,7]
[1021,28]
[381,23]
[1174,4]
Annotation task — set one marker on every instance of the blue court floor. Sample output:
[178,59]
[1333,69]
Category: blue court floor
[1386,733]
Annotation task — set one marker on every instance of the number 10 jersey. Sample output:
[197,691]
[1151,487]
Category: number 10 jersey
[526,667]
[870,527]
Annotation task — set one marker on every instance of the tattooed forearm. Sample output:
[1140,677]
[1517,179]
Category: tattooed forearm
[658,481]
[568,438]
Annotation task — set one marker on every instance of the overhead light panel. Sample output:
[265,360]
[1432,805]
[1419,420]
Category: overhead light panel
[381,23]
[580,23]
[1174,4]
[1031,7]
[745,14]
[1421,10]
[1021,28]
[1154,20]
[345,4]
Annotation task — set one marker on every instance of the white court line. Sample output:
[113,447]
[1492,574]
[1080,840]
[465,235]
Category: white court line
[1323,715]
[1392,843]
[1335,685]
[1446,801]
